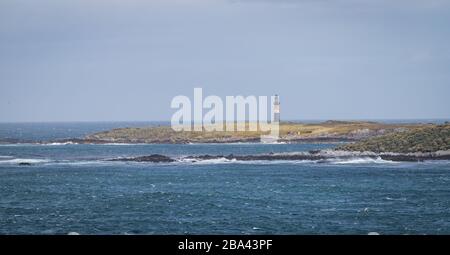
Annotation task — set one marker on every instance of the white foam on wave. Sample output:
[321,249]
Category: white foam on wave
[217,161]
[330,160]
[396,199]
[81,162]
[122,144]
[84,162]
[24,161]
[49,162]
[247,162]
[36,144]
[273,143]
[276,162]
[207,161]
[363,160]
[58,144]
[16,144]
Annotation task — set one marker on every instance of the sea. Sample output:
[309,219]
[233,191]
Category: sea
[74,188]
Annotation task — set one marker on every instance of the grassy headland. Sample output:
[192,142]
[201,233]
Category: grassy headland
[425,139]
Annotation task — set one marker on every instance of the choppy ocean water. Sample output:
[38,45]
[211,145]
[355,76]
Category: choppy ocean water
[71,188]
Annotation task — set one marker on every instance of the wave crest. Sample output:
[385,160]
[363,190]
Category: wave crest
[24,161]
[363,160]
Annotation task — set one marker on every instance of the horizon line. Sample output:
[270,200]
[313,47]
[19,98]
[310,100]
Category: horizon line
[168,121]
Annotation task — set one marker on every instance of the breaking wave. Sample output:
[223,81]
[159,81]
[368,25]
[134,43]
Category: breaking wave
[332,161]
[206,161]
[396,199]
[85,162]
[50,162]
[122,144]
[24,161]
[58,143]
[365,160]
[16,144]
[274,143]
[235,161]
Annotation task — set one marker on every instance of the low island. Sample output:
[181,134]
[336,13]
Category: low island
[328,131]
[394,142]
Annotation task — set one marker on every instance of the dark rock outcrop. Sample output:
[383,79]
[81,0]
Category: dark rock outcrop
[155,158]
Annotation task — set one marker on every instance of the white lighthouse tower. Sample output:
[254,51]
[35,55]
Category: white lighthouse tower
[275,123]
[276,109]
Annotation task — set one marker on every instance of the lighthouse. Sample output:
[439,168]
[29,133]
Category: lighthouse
[276,109]
[274,125]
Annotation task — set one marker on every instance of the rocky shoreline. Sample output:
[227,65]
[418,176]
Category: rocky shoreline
[319,156]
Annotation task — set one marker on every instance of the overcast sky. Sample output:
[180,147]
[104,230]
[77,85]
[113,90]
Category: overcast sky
[100,60]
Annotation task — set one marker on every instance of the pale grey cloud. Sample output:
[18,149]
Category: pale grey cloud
[125,60]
